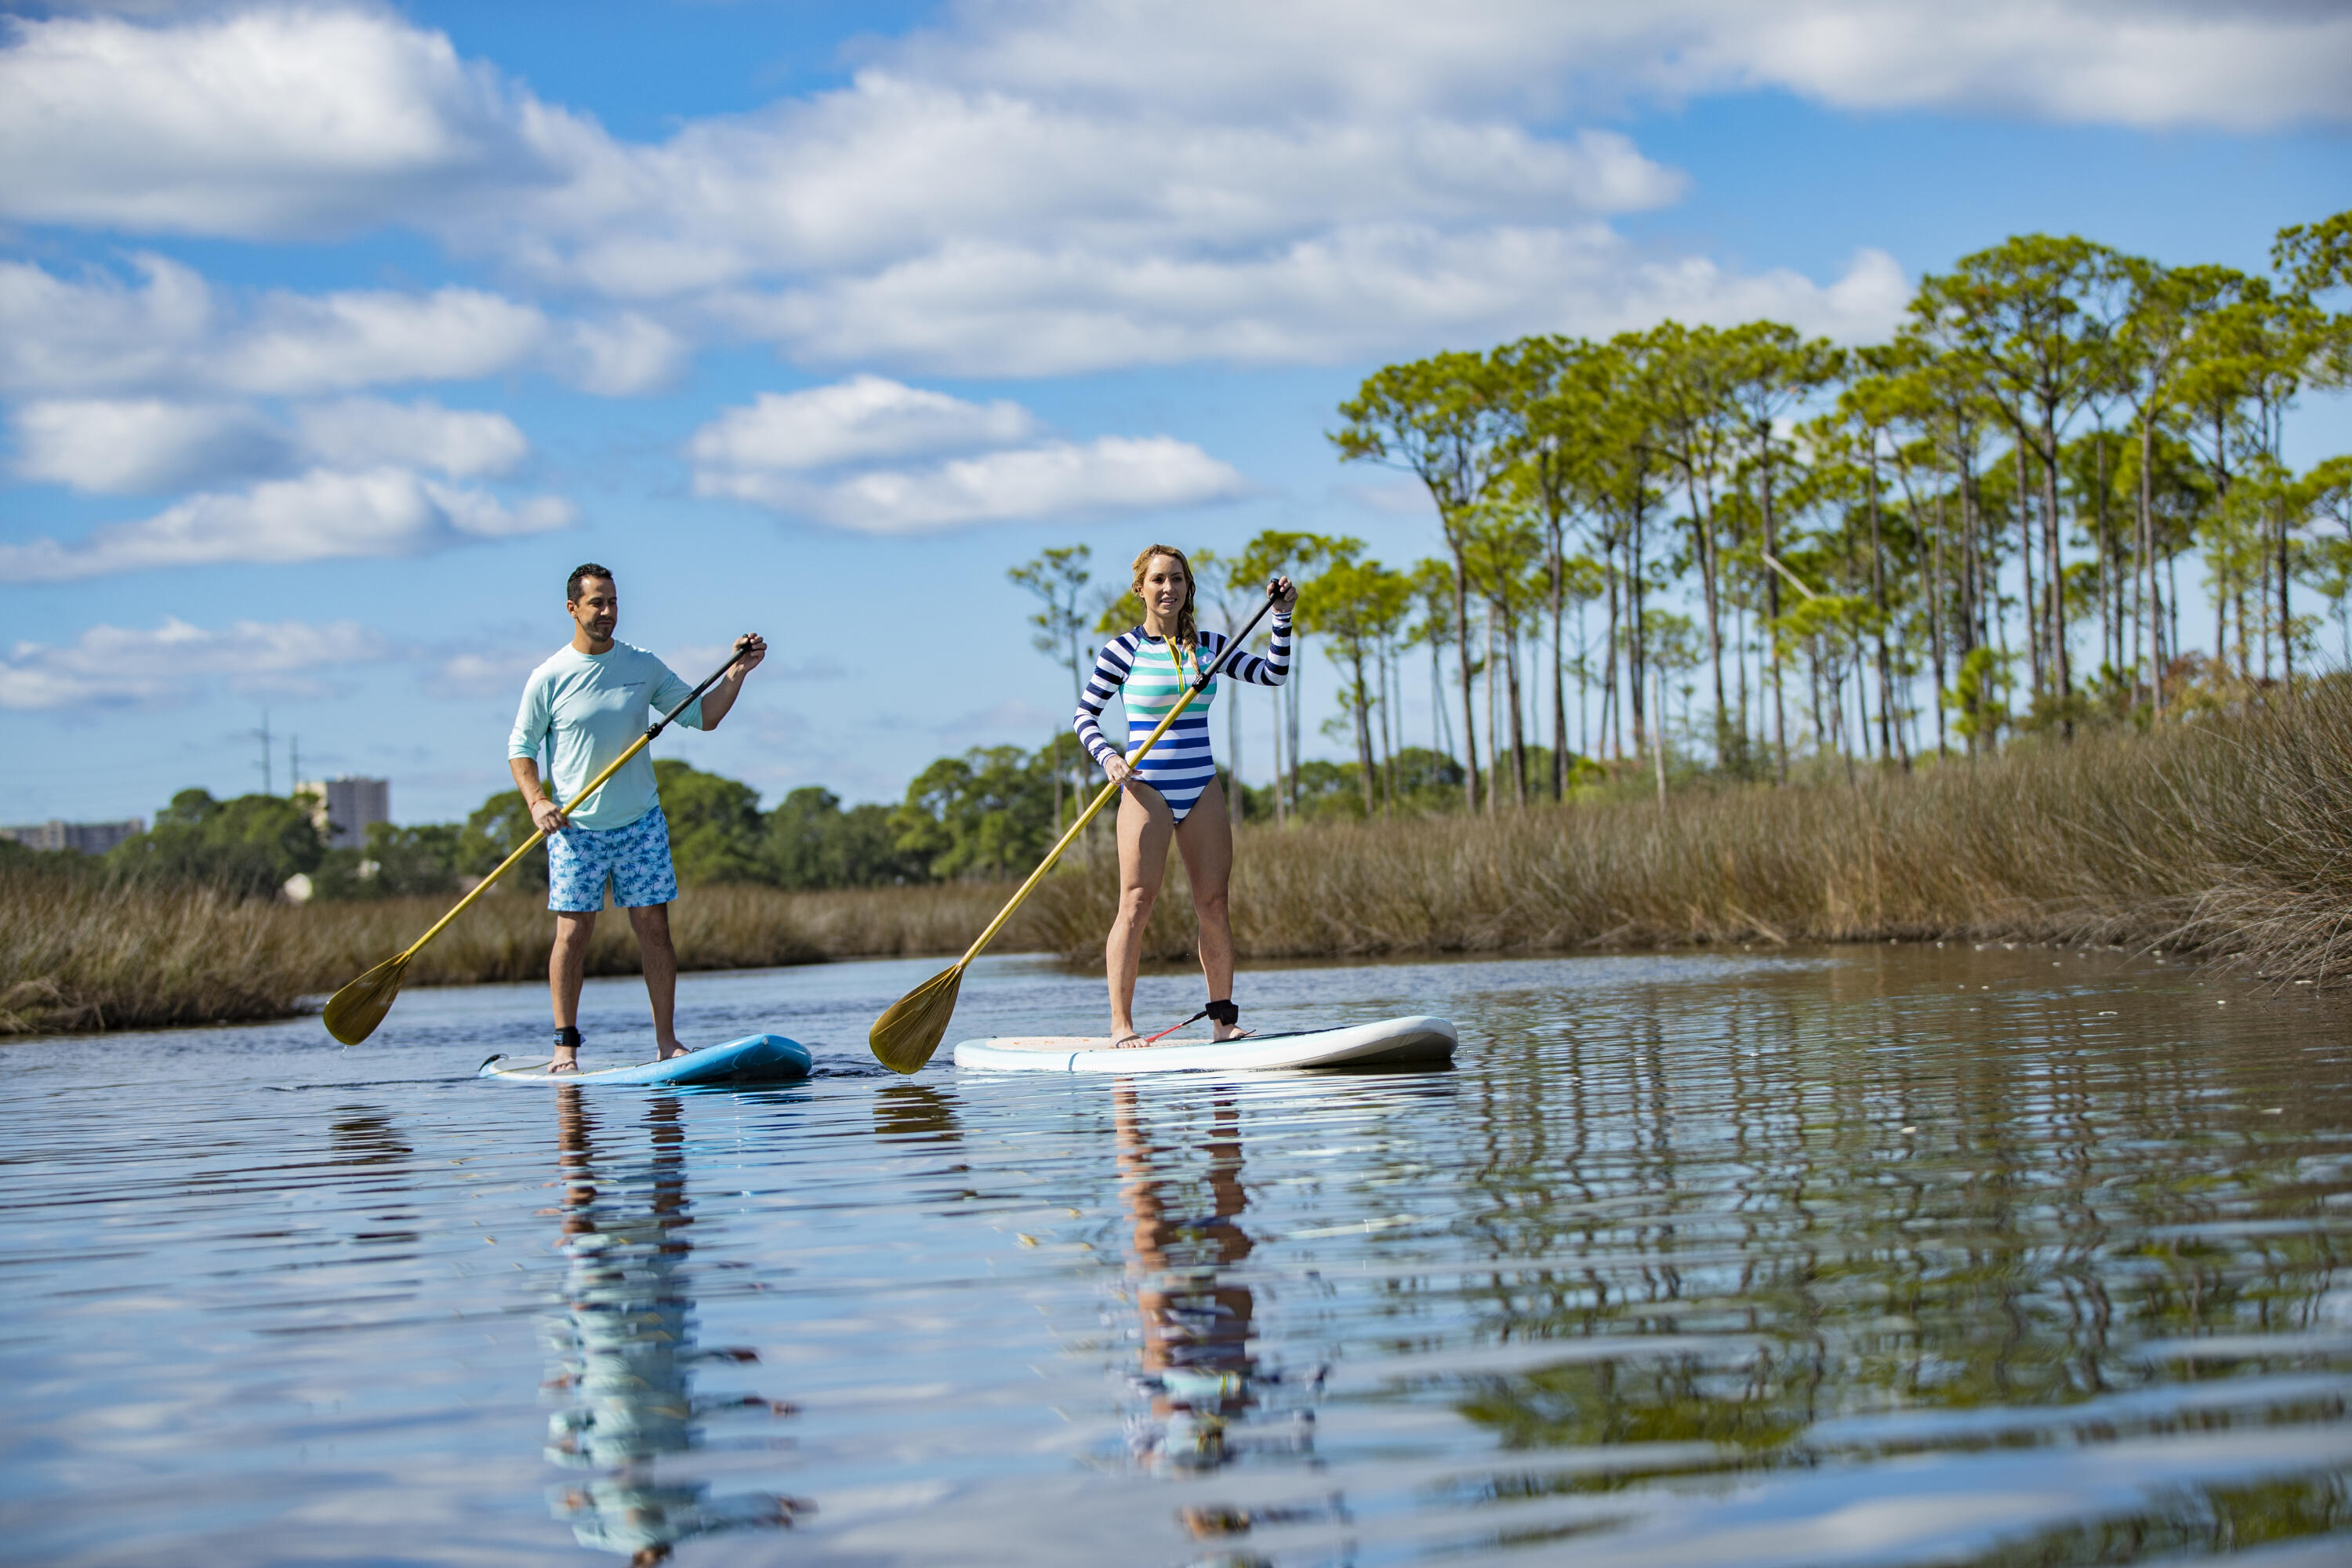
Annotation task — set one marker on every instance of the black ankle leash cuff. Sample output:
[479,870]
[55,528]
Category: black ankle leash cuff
[1224,1013]
[567,1038]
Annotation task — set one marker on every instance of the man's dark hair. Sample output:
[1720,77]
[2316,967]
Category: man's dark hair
[584,570]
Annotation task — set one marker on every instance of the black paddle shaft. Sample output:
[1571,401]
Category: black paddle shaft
[1238,639]
[658,725]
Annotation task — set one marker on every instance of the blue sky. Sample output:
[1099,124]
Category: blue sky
[333,336]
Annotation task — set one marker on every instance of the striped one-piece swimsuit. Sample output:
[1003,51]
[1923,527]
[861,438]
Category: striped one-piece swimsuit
[1148,675]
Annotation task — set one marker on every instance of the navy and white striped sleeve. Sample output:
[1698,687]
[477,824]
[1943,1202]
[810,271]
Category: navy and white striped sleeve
[1111,667]
[1273,668]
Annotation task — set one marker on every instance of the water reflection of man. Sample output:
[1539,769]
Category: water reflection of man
[621,1351]
[1199,1362]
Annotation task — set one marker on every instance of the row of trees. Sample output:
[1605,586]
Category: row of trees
[2020,470]
[1786,539]
[987,813]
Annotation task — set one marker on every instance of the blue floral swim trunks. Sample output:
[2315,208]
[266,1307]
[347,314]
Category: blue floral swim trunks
[636,858]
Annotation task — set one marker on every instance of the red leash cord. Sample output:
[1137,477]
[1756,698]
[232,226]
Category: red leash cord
[1173,1027]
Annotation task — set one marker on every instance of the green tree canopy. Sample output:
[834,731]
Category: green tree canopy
[248,845]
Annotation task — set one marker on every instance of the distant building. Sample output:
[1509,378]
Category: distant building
[346,808]
[89,837]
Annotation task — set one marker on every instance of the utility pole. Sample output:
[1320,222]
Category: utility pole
[267,781]
[293,765]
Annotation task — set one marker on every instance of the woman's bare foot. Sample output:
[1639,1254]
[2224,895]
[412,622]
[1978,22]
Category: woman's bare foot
[1129,1041]
[671,1049]
[566,1061]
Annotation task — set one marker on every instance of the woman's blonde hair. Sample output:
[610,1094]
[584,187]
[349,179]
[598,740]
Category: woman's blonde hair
[1188,627]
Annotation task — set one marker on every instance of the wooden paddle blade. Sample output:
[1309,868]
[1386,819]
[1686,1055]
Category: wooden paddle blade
[905,1037]
[352,1012]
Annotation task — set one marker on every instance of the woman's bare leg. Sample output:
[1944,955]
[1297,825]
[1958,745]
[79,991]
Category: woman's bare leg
[1205,839]
[1144,825]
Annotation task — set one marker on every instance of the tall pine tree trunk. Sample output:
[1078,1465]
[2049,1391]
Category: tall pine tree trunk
[1518,736]
[1461,643]
[1771,632]
[1558,672]
[2027,571]
[2061,672]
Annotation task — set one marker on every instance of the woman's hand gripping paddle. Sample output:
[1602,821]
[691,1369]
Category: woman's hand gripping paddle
[905,1037]
[352,1012]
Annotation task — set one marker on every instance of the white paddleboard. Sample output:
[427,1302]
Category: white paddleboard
[755,1058]
[1420,1041]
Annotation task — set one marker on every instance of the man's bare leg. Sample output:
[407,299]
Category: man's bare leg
[659,961]
[1205,839]
[567,967]
[1144,827]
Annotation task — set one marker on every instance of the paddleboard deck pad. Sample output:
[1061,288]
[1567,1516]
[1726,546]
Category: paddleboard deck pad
[1419,1041]
[755,1058]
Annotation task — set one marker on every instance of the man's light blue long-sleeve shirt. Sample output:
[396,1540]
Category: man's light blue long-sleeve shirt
[592,705]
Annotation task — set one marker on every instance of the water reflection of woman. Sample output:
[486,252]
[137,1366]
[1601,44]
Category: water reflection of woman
[1200,1365]
[622,1349]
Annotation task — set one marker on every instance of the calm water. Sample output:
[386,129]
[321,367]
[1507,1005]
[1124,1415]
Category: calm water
[1873,1256]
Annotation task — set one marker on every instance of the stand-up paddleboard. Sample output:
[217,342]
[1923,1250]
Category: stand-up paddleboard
[755,1058]
[1419,1041]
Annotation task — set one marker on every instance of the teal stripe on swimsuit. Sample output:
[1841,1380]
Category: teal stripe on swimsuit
[1146,676]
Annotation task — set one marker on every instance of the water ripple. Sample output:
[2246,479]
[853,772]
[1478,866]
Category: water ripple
[1887,1256]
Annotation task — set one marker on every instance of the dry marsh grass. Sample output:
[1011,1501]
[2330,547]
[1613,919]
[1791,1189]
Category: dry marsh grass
[79,952]
[2228,838]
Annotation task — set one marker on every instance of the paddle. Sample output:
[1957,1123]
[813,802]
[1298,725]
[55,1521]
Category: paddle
[352,1012]
[905,1035]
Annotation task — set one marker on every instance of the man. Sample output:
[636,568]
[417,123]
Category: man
[592,700]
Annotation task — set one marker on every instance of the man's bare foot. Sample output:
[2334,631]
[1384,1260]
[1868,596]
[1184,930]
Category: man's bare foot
[1224,1032]
[567,1061]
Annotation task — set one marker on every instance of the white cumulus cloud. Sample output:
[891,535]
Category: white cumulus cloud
[836,454]
[148,445]
[2254,64]
[308,343]
[367,432]
[1032,186]
[318,516]
[1019,311]
[1058,480]
[269,122]
[864,417]
[119,666]
[168,330]
[141,446]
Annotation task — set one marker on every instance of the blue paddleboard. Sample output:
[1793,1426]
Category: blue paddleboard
[755,1058]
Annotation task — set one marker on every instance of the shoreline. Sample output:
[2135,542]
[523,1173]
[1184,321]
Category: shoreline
[85,956]
[310,1005]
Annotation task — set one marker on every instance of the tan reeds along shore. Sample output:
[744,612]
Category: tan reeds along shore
[80,953]
[2226,838]
[2229,837]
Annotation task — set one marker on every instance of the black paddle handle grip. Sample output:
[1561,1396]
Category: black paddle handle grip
[1238,639]
[658,725]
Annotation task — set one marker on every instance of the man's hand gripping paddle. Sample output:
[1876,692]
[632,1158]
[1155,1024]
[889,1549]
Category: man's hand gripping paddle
[905,1037]
[352,1012]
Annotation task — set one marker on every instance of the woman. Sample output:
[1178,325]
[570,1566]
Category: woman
[1173,792]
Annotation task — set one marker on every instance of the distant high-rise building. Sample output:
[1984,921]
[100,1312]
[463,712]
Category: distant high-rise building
[346,806]
[89,837]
